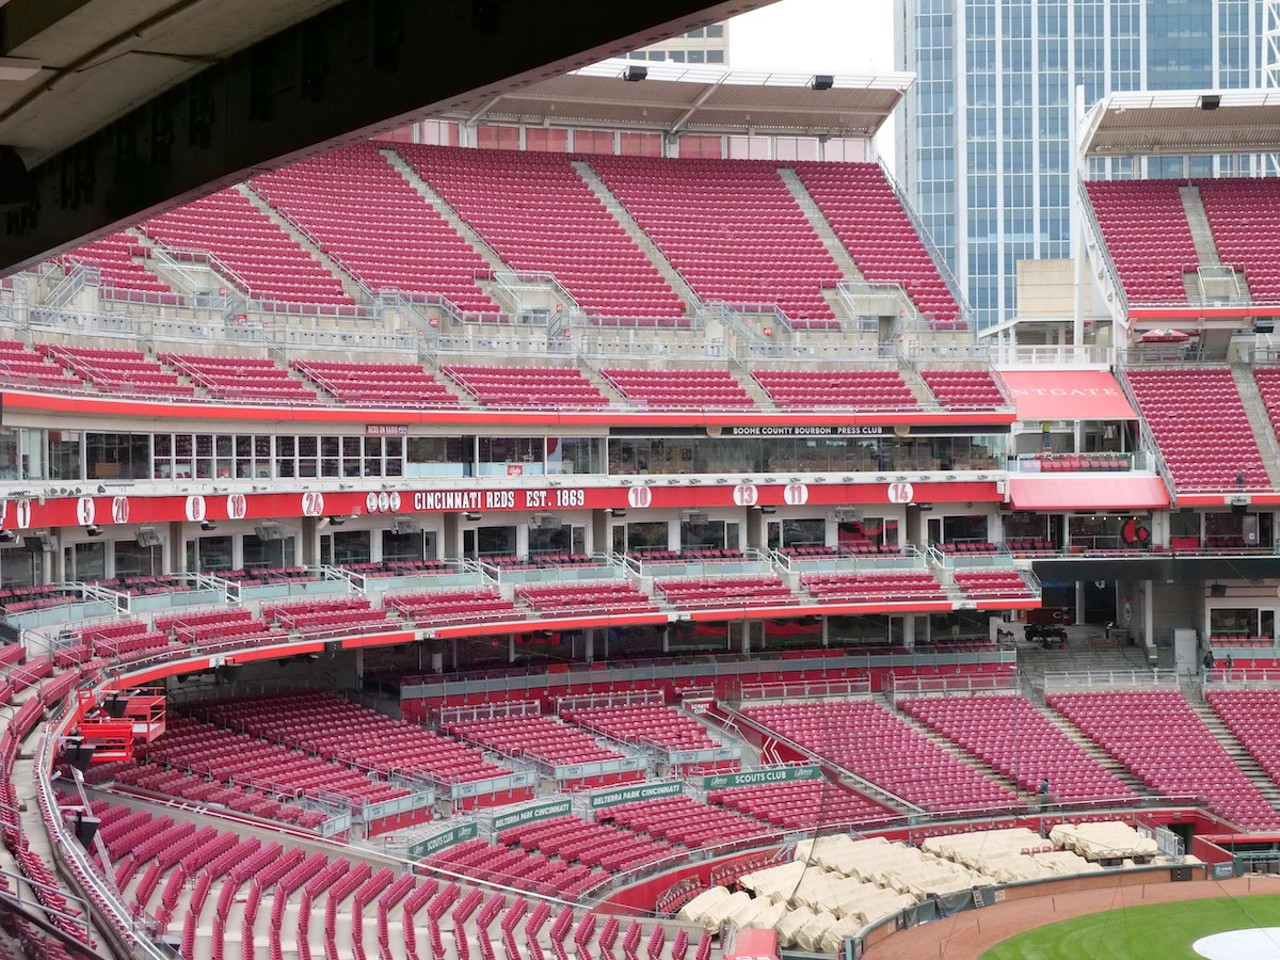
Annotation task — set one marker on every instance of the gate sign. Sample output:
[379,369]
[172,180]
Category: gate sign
[120,510]
[796,494]
[534,812]
[86,510]
[195,509]
[642,791]
[755,777]
[443,840]
[746,494]
[901,493]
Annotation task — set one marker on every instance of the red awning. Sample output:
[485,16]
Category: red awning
[1067,395]
[1088,493]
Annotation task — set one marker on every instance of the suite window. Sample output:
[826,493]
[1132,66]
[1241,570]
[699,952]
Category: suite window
[436,457]
[118,456]
[65,455]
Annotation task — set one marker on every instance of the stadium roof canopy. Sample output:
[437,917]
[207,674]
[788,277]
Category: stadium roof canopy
[119,109]
[676,99]
[1182,122]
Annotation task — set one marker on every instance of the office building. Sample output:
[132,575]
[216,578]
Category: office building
[983,145]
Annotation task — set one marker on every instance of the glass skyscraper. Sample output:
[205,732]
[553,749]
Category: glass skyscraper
[983,147]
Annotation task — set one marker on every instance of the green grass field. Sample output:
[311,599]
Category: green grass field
[1164,931]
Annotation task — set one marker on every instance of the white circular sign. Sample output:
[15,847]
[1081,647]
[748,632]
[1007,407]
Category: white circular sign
[195,509]
[312,504]
[86,510]
[640,497]
[395,501]
[22,514]
[120,510]
[237,506]
[901,493]
[371,502]
[796,494]
[746,495]
[384,501]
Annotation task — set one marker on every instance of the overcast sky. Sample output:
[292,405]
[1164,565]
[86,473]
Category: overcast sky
[817,36]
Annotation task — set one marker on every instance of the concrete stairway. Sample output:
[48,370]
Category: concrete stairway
[919,389]
[1259,420]
[1198,220]
[821,225]
[1107,761]
[1218,281]
[438,203]
[751,385]
[1240,756]
[826,233]
[988,771]
[628,222]
[604,385]
[350,286]
[1086,650]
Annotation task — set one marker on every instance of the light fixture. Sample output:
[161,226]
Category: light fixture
[634,73]
[848,479]
[208,525]
[795,479]
[694,481]
[93,530]
[822,81]
[672,481]
[102,488]
[1210,101]
[722,479]
[767,510]
[7,536]
[472,516]
[336,521]
[615,512]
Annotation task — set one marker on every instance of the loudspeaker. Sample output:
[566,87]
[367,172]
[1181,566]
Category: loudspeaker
[86,828]
[78,753]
